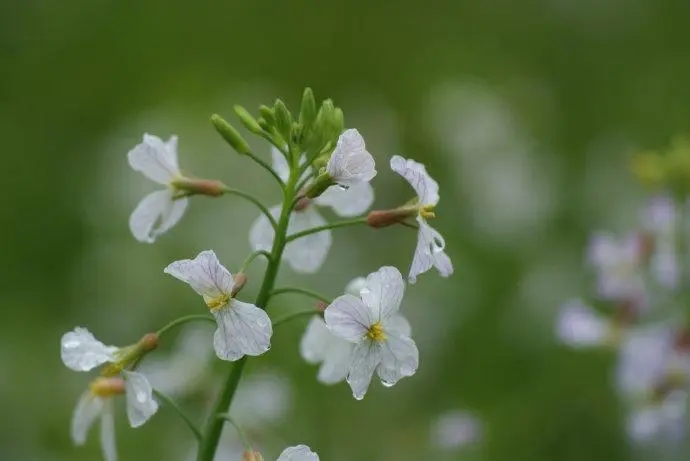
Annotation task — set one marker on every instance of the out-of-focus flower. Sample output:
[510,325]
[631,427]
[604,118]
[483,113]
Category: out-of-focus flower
[662,421]
[455,429]
[298,453]
[430,244]
[381,335]
[308,253]
[660,221]
[618,265]
[578,325]
[243,328]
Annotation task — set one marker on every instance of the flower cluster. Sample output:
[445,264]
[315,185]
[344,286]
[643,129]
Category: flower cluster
[639,282]
[316,163]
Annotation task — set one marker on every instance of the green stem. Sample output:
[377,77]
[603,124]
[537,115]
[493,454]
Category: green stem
[171,404]
[302,291]
[293,315]
[335,225]
[255,201]
[183,320]
[240,432]
[252,257]
[268,168]
[214,427]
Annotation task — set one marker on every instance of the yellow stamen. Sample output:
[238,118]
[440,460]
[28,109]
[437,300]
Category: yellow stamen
[427,211]
[376,333]
[217,302]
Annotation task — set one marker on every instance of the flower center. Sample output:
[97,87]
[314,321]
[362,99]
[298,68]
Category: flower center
[216,302]
[376,333]
[427,211]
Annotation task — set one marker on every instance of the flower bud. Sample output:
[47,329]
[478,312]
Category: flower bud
[247,119]
[319,186]
[302,203]
[384,218]
[321,306]
[210,187]
[230,134]
[307,110]
[252,456]
[240,280]
[267,114]
[148,343]
[107,387]
[283,121]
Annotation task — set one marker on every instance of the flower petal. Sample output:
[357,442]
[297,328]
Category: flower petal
[354,287]
[350,162]
[243,329]
[415,174]
[336,363]
[298,453]
[366,356]
[205,274]
[429,252]
[81,351]
[280,164]
[88,408]
[156,214]
[398,325]
[108,446]
[307,254]
[348,203]
[261,233]
[155,159]
[644,357]
[314,341]
[140,403]
[399,358]
[347,317]
[580,326]
[383,292]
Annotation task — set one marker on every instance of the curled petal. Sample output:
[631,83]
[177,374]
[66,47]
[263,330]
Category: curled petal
[243,329]
[350,162]
[298,453]
[140,403]
[366,356]
[81,351]
[399,358]
[155,159]
[383,292]
[108,446]
[156,214]
[347,317]
[88,409]
[205,274]
[429,252]
[415,174]
[350,202]
[578,325]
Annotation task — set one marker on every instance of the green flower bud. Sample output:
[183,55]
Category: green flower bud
[283,118]
[268,114]
[307,110]
[230,134]
[247,119]
[318,187]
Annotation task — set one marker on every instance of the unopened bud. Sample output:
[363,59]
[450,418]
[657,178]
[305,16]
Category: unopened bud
[307,111]
[247,119]
[321,306]
[283,121]
[267,114]
[210,187]
[240,280]
[252,456]
[106,387]
[148,342]
[302,203]
[319,186]
[384,218]
[230,134]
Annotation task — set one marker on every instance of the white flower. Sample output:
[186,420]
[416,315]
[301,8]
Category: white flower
[617,264]
[350,163]
[308,253]
[81,351]
[455,429]
[159,211]
[644,360]
[381,336]
[243,328]
[430,244]
[660,222]
[97,403]
[298,453]
[319,345]
[578,325]
[663,421]
[262,399]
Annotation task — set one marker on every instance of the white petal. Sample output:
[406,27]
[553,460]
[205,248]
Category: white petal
[415,173]
[156,214]
[456,429]
[644,424]
[354,287]
[366,356]
[155,159]
[205,274]
[383,292]
[347,317]
[350,202]
[243,329]
[399,325]
[82,352]
[108,446]
[644,357]
[261,233]
[140,403]
[307,254]
[578,325]
[88,409]
[429,252]
[399,358]
[336,363]
[298,453]
[314,341]
[280,164]
[350,162]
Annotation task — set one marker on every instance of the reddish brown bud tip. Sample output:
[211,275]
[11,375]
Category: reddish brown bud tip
[149,342]
[682,340]
[302,203]
[321,306]
[209,187]
[240,280]
[252,456]
[384,218]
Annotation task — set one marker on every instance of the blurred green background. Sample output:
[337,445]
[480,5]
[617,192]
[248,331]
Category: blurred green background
[525,112]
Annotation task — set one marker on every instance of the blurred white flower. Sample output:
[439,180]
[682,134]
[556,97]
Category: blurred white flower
[381,335]
[308,253]
[660,221]
[298,453]
[243,328]
[430,244]
[618,267]
[263,398]
[81,351]
[455,429]
[350,164]
[663,421]
[578,325]
[159,211]
[644,360]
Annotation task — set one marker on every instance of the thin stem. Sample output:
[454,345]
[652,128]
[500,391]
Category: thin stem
[252,257]
[268,168]
[410,225]
[240,432]
[304,181]
[335,225]
[214,427]
[171,404]
[183,320]
[293,315]
[255,201]
[303,291]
